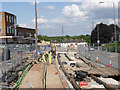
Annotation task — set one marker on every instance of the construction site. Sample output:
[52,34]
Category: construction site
[59,49]
[67,70]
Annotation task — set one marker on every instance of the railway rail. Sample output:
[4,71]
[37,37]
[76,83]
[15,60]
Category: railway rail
[95,76]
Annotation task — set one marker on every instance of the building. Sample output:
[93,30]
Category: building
[76,42]
[66,43]
[27,34]
[44,43]
[10,32]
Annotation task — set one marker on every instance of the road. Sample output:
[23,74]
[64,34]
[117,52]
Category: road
[104,57]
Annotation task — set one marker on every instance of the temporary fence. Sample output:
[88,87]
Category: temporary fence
[66,48]
[12,55]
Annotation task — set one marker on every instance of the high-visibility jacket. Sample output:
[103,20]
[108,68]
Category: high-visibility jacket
[50,57]
[43,57]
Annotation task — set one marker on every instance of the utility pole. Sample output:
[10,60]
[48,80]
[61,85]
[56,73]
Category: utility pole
[36,27]
[115,27]
[61,38]
[62,31]
[92,29]
[98,41]
[62,34]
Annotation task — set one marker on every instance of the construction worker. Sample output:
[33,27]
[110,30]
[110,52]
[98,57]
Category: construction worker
[50,57]
[44,57]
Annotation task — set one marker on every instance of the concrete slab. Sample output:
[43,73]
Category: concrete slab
[53,79]
[110,81]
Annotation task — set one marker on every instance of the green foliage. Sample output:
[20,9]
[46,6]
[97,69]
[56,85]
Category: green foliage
[67,37]
[61,38]
[105,33]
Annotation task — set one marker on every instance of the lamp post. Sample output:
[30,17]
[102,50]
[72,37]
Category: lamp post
[62,36]
[115,32]
[36,27]
[115,28]
[98,41]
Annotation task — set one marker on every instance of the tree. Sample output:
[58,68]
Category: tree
[105,33]
[67,37]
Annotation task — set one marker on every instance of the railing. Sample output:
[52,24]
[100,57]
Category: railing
[13,55]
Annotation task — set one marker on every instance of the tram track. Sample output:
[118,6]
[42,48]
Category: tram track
[95,77]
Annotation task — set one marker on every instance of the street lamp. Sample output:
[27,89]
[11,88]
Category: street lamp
[36,27]
[114,26]
[98,41]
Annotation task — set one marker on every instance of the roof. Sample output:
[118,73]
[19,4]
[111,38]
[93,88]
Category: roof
[7,13]
[69,41]
[25,28]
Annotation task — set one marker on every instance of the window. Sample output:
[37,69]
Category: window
[10,18]
[0,17]
[0,29]
[6,18]
[13,30]
[7,30]
[20,32]
[10,29]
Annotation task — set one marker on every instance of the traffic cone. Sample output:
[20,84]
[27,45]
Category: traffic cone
[97,59]
[110,64]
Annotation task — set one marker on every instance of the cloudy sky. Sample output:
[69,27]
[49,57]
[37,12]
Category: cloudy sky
[75,16]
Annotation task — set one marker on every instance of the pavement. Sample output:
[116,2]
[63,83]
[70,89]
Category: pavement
[53,79]
[33,79]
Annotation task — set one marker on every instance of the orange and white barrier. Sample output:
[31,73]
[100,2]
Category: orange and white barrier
[97,59]
[110,64]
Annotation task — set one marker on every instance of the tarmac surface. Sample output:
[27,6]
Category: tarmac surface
[104,57]
[53,79]
[33,79]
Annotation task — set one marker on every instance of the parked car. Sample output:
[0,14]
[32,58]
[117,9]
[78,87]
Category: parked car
[92,48]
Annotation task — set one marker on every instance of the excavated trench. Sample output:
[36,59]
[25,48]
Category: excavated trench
[81,75]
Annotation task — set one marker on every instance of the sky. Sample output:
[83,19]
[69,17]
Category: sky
[75,16]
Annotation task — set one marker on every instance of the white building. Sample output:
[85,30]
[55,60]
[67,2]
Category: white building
[73,43]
